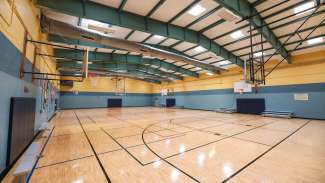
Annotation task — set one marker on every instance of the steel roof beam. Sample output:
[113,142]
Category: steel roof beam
[141,23]
[135,58]
[131,74]
[279,26]
[124,67]
[97,57]
[244,9]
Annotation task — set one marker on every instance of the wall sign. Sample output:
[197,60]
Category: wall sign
[301,96]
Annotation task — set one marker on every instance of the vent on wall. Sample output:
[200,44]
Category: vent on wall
[227,15]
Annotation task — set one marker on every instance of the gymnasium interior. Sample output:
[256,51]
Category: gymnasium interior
[157,91]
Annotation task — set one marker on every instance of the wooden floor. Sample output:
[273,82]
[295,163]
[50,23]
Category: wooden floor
[179,145]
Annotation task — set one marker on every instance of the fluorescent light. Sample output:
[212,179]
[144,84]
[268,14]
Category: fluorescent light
[315,40]
[87,22]
[199,49]
[223,62]
[258,54]
[209,74]
[237,34]
[304,7]
[80,62]
[158,37]
[196,10]
[198,68]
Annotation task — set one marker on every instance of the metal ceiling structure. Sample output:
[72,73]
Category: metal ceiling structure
[207,36]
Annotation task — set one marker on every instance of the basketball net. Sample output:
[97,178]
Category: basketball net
[241,91]
[93,79]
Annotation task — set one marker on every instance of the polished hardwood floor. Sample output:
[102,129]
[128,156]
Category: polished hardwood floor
[152,145]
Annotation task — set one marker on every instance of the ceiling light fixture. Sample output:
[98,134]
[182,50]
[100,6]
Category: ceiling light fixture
[237,34]
[199,49]
[315,40]
[158,37]
[258,54]
[304,7]
[196,10]
[223,62]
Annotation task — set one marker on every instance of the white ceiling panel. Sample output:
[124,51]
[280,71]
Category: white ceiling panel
[292,27]
[138,36]
[155,39]
[111,3]
[223,28]
[140,7]
[169,9]
[187,18]
[169,41]
[205,22]
[183,46]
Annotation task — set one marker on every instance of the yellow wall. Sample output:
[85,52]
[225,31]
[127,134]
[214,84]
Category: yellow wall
[105,84]
[306,68]
[18,17]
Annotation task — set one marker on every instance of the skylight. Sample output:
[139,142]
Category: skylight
[304,7]
[237,34]
[196,10]
[258,54]
[80,62]
[199,49]
[223,63]
[158,37]
[87,22]
[315,40]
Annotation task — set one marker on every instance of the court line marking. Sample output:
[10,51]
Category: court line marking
[66,161]
[252,141]
[247,130]
[127,148]
[152,124]
[261,155]
[92,147]
[185,173]
[40,156]
[176,154]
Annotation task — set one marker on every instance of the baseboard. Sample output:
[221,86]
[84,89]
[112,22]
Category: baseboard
[67,108]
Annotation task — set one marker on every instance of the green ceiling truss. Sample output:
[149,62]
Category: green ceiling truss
[244,9]
[131,58]
[116,61]
[136,22]
[131,74]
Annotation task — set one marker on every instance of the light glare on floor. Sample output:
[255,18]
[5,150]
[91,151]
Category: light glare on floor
[315,40]
[196,10]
